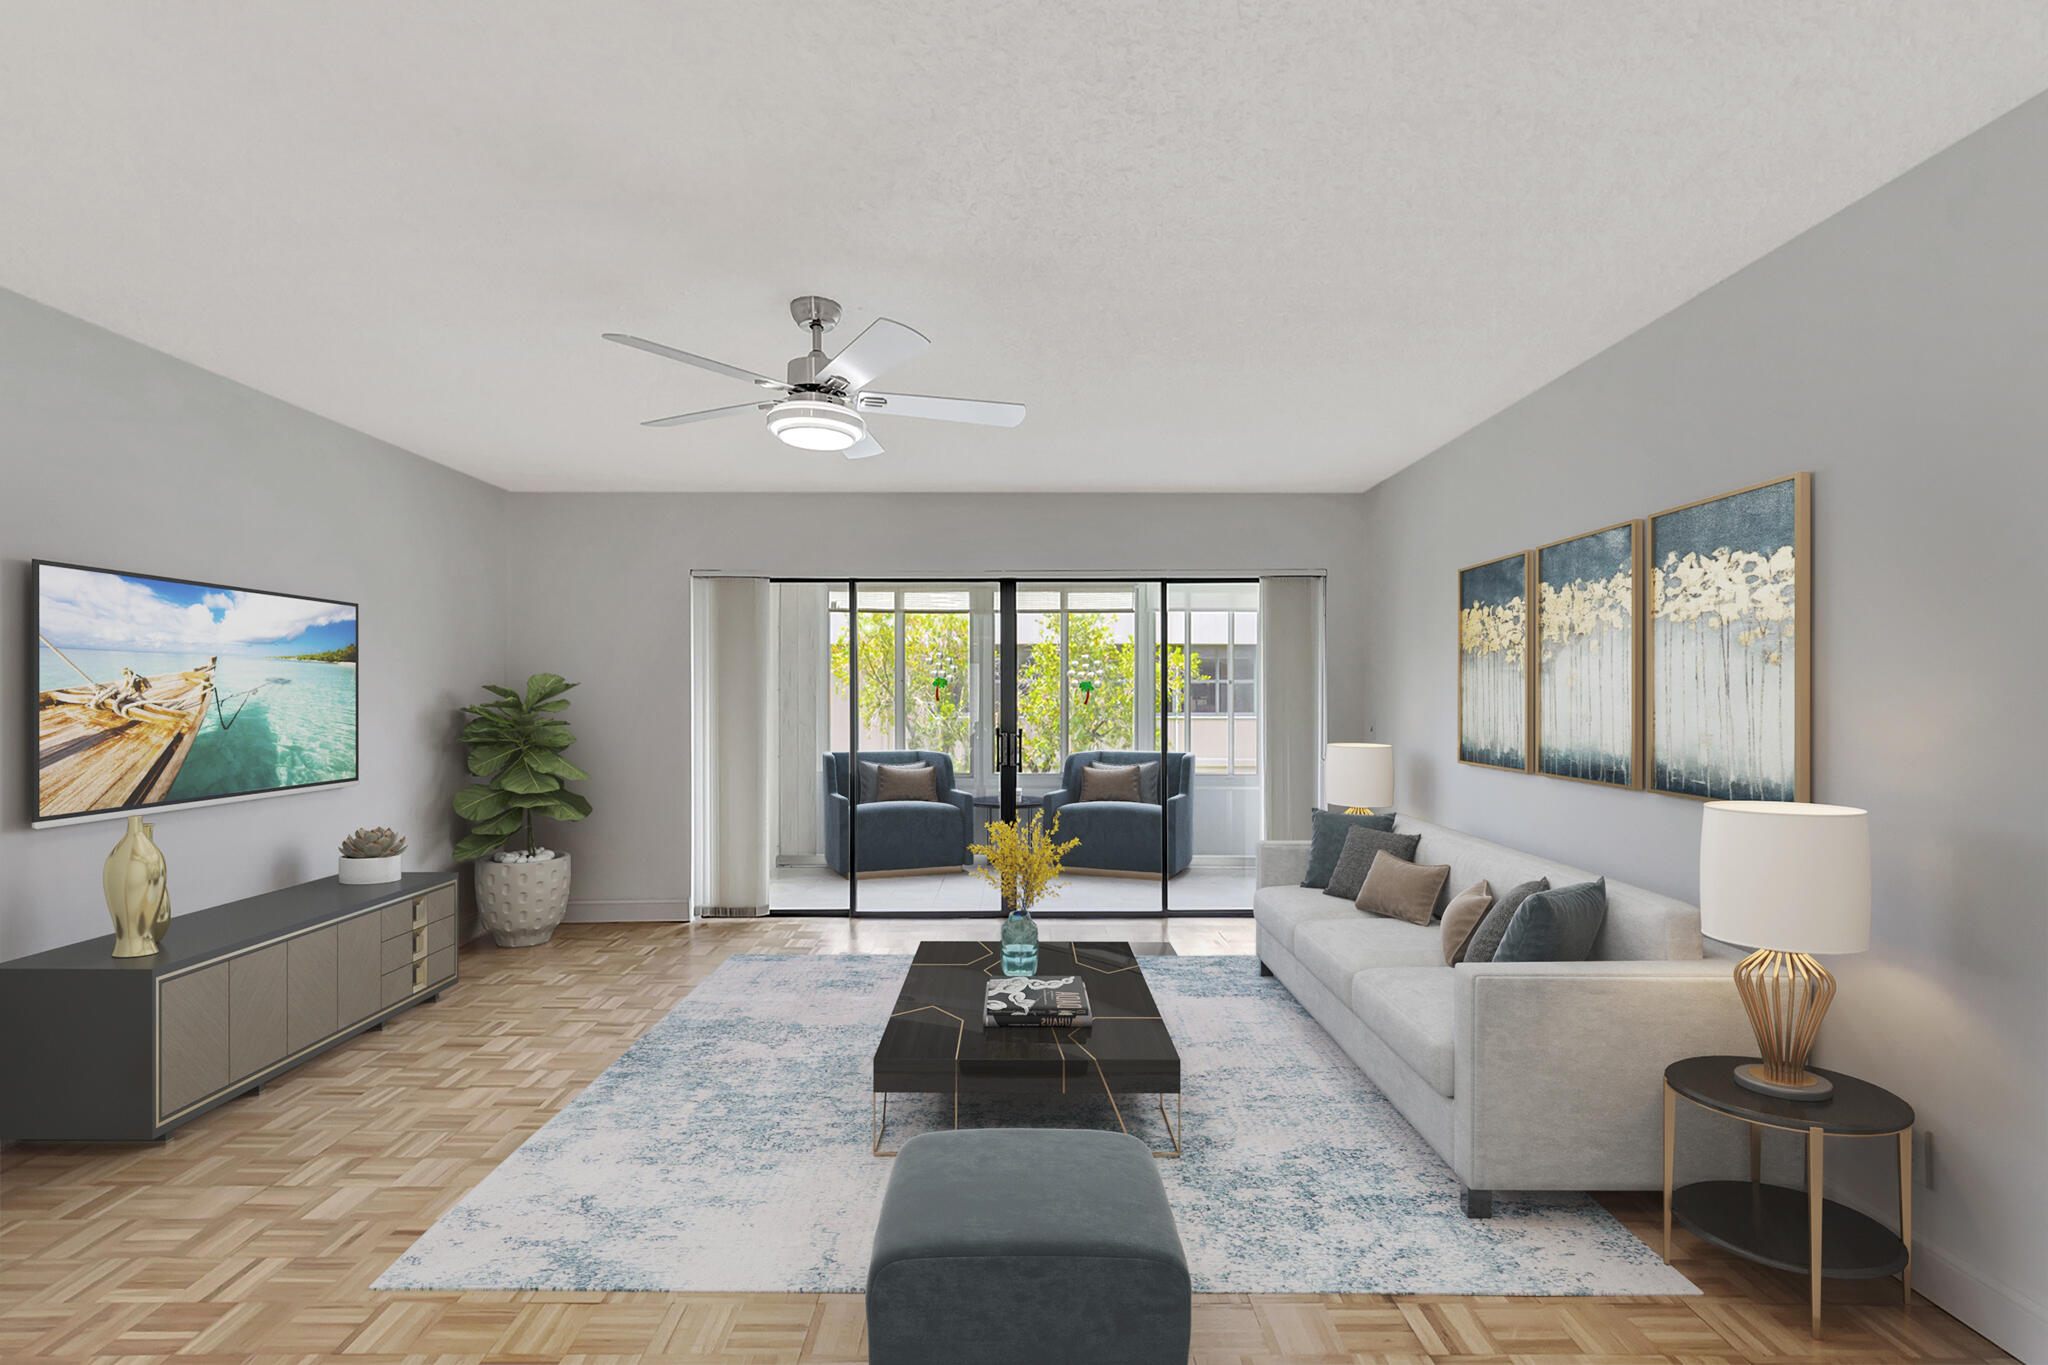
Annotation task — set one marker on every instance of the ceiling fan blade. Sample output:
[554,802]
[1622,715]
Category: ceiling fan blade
[715,366]
[881,348]
[864,447]
[942,409]
[680,418]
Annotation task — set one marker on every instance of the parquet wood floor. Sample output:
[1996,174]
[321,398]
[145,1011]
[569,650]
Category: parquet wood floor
[255,1233]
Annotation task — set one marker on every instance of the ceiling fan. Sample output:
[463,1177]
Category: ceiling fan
[825,404]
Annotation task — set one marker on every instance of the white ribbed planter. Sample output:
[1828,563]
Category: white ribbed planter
[521,903]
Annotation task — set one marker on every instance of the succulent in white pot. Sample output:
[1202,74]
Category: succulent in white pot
[370,856]
[515,746]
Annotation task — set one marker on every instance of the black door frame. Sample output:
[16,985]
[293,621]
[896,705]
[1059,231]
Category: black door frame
[1007,745]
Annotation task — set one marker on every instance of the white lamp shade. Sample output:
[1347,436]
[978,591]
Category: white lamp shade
[1785,875]
[1359,775]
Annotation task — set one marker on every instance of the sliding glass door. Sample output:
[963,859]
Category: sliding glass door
[911,714]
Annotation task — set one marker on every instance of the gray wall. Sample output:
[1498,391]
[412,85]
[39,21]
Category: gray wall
[113,454]
[1900,352]
[604,598]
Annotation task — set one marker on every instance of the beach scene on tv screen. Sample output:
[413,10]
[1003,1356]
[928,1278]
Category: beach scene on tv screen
[152,690]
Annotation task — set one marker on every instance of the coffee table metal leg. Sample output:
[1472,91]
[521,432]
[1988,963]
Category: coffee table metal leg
[880,1121]
[1814,1202]
[1174,1126]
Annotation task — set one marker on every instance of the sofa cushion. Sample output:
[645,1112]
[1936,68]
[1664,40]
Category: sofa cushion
[1109,782]
[1410,1010]
[1282,910]
[1148,782]
[907,782]
[1327,829]
[1492,929]
[1462,916]
[1335,950]
[1361,846]
[870,775]
[1400,889]
[1558,925]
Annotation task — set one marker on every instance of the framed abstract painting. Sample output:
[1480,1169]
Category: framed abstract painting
[1729,661]
[1493,663]
[1589,678]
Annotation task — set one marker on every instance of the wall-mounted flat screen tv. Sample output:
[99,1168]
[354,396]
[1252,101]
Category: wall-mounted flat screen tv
[154,692]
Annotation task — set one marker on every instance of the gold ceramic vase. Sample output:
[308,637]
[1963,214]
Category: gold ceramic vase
[138,896]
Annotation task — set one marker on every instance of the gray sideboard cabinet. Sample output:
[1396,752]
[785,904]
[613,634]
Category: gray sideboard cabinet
[99,1048]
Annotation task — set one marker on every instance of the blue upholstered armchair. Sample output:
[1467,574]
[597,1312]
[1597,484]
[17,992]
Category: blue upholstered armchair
[1123,836]
[895,836]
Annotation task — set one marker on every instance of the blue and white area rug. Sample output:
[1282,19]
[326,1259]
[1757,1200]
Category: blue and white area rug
[728,1151]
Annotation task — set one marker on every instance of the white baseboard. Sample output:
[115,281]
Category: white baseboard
[2013,1321]
[626,912]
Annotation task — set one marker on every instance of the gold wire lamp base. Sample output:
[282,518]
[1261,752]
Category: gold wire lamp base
[1786,995]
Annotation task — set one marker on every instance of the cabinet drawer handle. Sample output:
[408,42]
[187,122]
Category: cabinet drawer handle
[418,901]
[419,974]
[419,932]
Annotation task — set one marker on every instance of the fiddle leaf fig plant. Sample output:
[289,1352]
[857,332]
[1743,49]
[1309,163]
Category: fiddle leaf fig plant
[515,745]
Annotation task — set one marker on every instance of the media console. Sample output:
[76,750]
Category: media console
[99,1048]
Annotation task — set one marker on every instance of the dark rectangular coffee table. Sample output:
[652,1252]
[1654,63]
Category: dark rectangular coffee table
[936,1044]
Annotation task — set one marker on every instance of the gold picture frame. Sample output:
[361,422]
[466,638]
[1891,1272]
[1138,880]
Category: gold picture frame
[1494,643]
[1717,699]
[1606,620]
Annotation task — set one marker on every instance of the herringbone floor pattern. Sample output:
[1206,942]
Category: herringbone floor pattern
[255,1233]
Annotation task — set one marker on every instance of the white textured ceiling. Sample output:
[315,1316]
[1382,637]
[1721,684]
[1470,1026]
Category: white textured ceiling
[1213,245]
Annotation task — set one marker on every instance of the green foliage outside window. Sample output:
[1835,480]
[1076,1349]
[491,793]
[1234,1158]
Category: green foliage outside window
[935,644]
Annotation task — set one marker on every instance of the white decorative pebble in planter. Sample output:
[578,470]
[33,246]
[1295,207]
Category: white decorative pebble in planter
[521,903]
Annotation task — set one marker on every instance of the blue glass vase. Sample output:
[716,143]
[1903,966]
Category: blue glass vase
[1020,944]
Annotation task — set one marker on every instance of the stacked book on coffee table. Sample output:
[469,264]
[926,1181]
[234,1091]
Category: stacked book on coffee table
[1036,1002]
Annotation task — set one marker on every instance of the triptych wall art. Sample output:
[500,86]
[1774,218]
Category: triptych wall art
[1668,653]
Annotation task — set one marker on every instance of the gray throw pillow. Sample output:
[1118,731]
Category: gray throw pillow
[870,774]
[907,782]
[1327,829]
[1148,782]
[1109,782]
[1486,938]
[1556,926]
[1347,879]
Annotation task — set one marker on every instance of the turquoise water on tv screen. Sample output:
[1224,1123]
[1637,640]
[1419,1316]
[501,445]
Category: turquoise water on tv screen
[297,727]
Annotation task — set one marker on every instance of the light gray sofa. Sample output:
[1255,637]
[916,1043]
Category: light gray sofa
[1523,1076]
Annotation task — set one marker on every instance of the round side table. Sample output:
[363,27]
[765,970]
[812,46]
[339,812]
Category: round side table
[1765,1223]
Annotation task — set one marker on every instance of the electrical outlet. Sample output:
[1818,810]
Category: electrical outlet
[1923,1158]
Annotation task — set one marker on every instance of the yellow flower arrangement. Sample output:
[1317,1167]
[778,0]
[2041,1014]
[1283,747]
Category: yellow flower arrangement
[1024,859]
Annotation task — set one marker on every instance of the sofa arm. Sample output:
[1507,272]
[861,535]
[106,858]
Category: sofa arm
[1560,1066]
[1052,801]
[964,803]
[1282,862]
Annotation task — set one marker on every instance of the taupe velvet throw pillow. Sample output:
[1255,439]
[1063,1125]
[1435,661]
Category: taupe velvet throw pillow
[1462,916]
[907,782]
[1110,782]
[1399,889]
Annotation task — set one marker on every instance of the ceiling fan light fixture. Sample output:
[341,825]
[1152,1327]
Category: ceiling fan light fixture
[812,424]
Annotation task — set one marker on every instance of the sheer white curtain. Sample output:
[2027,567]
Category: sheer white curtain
[1291,709]
[732,755]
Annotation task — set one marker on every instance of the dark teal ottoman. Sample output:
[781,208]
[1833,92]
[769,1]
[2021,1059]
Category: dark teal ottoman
[1027,1246]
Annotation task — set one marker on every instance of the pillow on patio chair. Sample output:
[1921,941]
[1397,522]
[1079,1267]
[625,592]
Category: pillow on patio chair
[907,782]
[1110,782]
